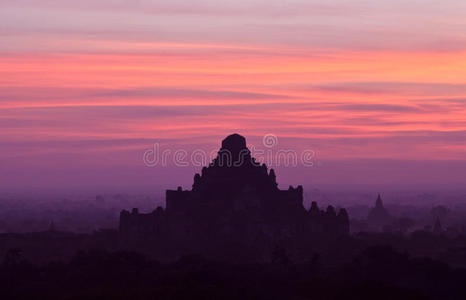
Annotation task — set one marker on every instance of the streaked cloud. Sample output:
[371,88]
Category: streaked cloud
[97,82]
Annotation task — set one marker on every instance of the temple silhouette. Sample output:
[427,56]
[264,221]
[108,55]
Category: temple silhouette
[234,210]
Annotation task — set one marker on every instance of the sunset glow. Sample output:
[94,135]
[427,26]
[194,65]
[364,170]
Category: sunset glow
[353,81]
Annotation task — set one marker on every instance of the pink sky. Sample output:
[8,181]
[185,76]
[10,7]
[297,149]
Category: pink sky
[87,86]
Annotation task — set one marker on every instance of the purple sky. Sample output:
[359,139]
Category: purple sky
[376,89]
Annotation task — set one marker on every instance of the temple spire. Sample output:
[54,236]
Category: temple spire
[378,202]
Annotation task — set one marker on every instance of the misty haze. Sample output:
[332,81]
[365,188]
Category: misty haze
[294,149]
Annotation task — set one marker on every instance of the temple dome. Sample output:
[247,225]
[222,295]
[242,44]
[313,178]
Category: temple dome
[234,149]
[234,143]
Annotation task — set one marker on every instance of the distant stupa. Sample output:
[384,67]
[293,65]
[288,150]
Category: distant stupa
[438,229]
[378,216]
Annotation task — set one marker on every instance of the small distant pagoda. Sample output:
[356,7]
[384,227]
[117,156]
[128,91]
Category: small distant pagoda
[378,216]
[234,205]
[438,229]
